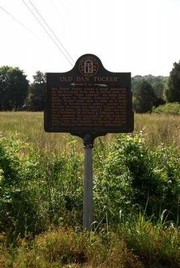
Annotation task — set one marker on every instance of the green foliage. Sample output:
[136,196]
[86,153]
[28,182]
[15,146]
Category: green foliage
[173,89]
[19,210]
[156,244]
[13,88]
[168,108]
[36,191]
[49,189]
[39,191]
[63,187]
[36,96]
[144,98]
[112,191]
[135,177]
[157,82]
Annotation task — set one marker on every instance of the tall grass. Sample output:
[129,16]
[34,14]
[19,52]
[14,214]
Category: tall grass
[30,127]
[157,129]
[158,245]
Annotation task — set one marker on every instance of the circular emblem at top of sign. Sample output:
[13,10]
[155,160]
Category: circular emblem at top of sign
[88,65]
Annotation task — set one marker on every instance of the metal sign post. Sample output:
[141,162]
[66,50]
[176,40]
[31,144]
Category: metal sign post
[88,184]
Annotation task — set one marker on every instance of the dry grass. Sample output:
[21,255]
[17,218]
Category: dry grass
[30,127]
[67,248]
[136,244]
[157,129]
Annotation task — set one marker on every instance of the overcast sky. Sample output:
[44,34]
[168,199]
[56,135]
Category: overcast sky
[137,36]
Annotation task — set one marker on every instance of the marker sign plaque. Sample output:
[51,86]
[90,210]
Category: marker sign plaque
[89,100]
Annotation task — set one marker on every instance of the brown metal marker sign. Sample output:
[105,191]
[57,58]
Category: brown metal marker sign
[89,100]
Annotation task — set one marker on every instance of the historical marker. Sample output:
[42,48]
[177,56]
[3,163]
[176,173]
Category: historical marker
[89,100]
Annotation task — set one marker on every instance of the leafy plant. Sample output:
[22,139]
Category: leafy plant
[37,190]
[168,108]
[136,177]
[19,169]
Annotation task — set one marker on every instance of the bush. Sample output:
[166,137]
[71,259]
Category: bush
[135,177]
[37,190]
[19,170]
[168,108]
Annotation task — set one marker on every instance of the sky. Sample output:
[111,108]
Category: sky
[137,36]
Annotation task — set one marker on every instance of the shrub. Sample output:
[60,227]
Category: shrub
[37,190]
[168,108]
[135,177]
[19,169]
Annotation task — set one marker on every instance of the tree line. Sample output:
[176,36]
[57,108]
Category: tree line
[16,93]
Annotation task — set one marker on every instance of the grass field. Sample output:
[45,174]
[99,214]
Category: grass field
[41,196]
[156,129]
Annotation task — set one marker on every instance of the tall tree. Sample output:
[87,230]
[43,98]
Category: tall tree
[144,97]
[172,91]
[36,95]
[13,88]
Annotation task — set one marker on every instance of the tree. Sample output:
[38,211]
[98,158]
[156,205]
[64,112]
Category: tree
[172,91]
[13,88]
[36,95]
[159,83]
[144,97]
